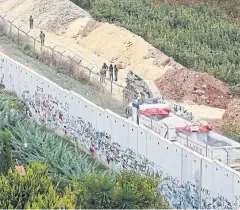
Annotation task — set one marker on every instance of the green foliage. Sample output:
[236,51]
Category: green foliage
[64,159]
[34,190]
[128,190]
[146,186]
[232,131]
[96,191]
[199,37]
[6,161]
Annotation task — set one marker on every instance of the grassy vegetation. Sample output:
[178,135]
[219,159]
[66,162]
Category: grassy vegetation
[199,37]
[31,143]
[230,7]
[59,175]
[232,131]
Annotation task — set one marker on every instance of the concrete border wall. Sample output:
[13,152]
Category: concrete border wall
[189,179]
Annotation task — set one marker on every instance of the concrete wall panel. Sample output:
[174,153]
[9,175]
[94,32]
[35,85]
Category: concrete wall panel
[123,132]
[177,156]
[207,183]
[142,141]
[116,128]
[100,119]
[228,177]
[236,189]
[165,155]
[222,185]
[133,136]
[108,121]
[7,74]
[14,77]
[84,108]
[217,180]
[2,69]
[76,107]
[152,148]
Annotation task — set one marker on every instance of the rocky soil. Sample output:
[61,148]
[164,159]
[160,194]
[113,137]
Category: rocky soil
[201,88]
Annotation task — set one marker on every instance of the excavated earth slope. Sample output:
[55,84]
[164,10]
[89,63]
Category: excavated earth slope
[197,87]
[231,116]
[73,30]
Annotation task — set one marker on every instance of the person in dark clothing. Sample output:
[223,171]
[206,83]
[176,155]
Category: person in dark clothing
[105,66]
[42,38]
[31,22]
[116,72]
[103,73]
[111,72]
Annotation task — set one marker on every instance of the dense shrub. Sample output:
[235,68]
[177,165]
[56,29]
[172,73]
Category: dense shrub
[35,190]
[128,190]
[6,160]
[198,37]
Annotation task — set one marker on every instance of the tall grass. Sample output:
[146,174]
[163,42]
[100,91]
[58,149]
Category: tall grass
[33,143]
[198,37]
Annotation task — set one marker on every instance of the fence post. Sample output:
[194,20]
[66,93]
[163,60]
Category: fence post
[41,47]
[111,85]
[71,59]
[10,31]
[90,72]
[26,34]
[61,54]
[18,33]
[52,54]
[78,67]
[3,22]
[34,44]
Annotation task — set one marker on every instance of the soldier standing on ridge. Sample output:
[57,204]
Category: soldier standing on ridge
[116,72]
[111,72]
[103,73]
[42,37]
[31,22]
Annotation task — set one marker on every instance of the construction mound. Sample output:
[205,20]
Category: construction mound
[201,88]
[231,115]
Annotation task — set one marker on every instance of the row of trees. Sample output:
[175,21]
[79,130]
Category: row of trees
[199,37]
[58,175]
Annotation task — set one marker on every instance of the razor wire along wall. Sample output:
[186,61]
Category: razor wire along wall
[189,179]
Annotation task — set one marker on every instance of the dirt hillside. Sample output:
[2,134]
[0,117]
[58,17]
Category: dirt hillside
[73,30]
[231,116]
[200,88]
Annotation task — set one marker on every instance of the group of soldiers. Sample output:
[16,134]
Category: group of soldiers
[111,70]
[42,35]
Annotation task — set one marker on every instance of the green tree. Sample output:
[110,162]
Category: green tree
[6,160]
[127,190]
[126,197]
[95,191]
[34,190]
[145,186]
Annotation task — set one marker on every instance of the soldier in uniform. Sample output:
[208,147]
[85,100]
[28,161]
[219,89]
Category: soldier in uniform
[42,38]
[111,72]
[31,22]
[103,73]
[116,72]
